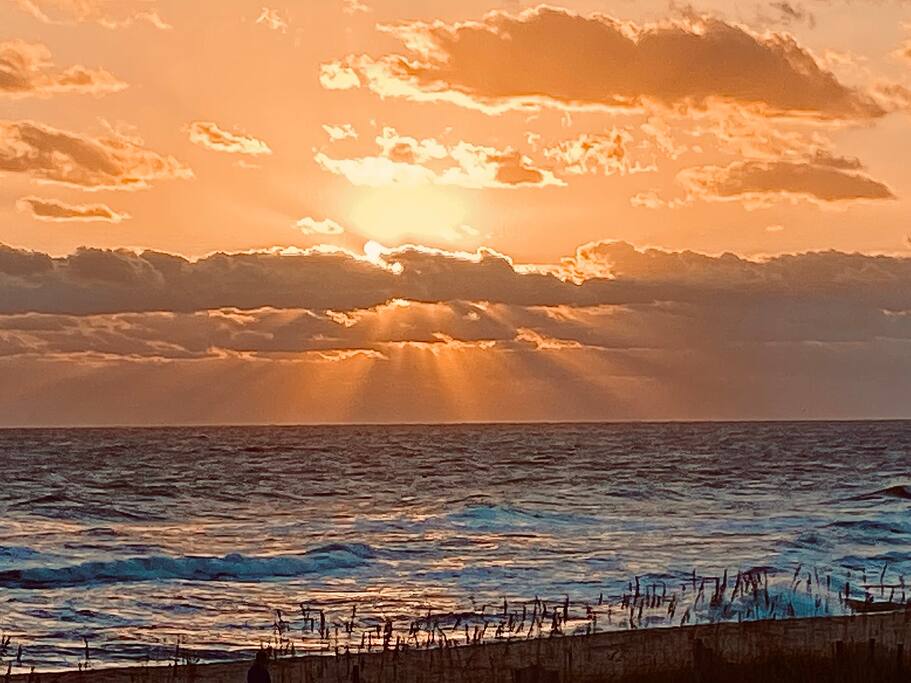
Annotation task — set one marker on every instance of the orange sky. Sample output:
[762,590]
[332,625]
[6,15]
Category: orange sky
[395,210]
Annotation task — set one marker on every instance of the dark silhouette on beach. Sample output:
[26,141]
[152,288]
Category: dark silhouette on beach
[259,672]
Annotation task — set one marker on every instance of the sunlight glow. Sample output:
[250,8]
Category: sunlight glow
[396,214]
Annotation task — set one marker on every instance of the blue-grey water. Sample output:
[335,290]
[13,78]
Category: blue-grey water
[130,539]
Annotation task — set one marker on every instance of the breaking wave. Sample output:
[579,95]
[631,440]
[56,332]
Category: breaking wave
[235,567]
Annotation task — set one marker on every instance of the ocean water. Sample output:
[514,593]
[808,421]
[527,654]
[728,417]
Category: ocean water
[128,541]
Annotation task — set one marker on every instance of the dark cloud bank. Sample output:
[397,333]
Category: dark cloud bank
[93,281]
[325,336]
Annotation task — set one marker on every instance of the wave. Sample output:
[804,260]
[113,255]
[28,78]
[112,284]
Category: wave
[235,567]
[494,517]
[47,499]
[883,528]
[17,553]
[61,506]
[892,558]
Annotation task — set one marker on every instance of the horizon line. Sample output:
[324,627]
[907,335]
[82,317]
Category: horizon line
[458,423]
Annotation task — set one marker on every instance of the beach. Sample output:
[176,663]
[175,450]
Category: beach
[860,648]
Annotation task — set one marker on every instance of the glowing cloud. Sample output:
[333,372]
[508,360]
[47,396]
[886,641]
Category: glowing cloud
[54,210]
[354,7]
[108,162]
[272,19]
[596,154]
[26,69]
[559,58]
[337,76]
[310,226]
[212,136]
[408,161]
[111,14]
[756,183]
[339,132]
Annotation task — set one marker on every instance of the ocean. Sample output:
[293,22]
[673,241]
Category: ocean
[118,544]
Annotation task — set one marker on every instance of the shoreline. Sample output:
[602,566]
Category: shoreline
[869,647]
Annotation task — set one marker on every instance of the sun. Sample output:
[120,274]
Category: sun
[397,214]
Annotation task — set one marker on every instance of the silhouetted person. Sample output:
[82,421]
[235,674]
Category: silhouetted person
[259,672]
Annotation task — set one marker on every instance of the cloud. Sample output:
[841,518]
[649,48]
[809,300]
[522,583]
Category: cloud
[650,199]
[375,171]
[774,163]
[26,70]
[111,14]
[738,134]
[405,160]
[54,210]
[786,13]
[272,19]
[613,331]
[355,7]
[500,328]
[405,149]
[109,162]
[337,76]
[596,154]
[758,183]
[894,96]
[265,332]
[101,281]
[338,132]
[212,136]
[480,166]
[311,226]
[95,281]
[559,58]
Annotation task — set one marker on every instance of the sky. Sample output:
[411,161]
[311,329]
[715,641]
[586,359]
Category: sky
[425,211]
